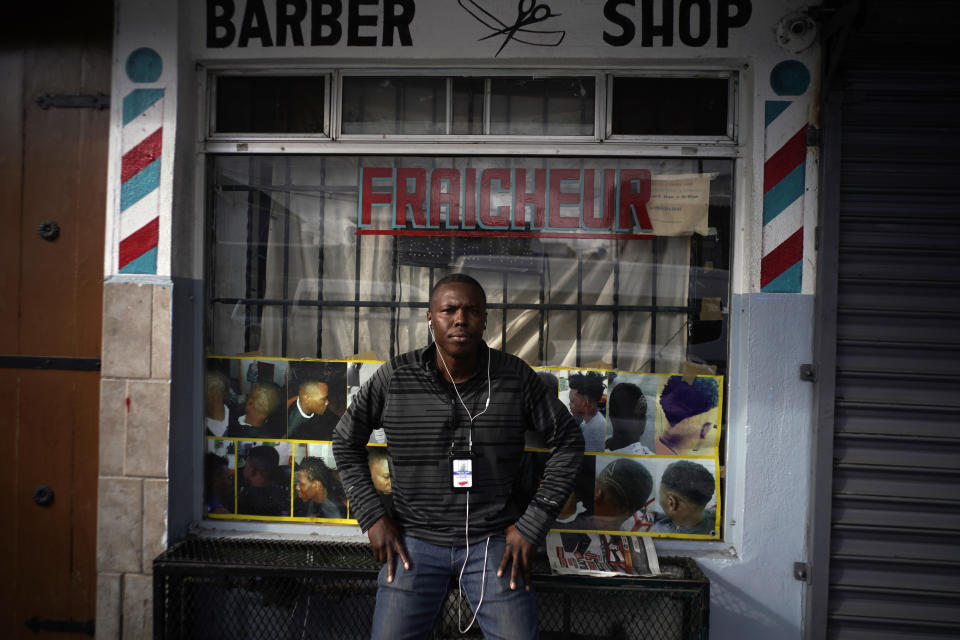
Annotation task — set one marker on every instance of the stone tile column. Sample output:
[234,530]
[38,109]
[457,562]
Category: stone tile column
[134,453]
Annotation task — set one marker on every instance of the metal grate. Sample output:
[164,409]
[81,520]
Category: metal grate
[264,590]
[887,487]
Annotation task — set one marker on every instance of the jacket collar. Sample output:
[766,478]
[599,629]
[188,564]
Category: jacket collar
[427,359]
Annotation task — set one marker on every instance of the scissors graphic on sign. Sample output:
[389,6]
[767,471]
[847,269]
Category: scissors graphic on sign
[529,12]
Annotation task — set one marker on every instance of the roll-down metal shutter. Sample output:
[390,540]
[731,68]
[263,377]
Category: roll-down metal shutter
[885,549]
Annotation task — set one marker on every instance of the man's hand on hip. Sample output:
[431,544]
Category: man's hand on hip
[518,555]
[386,543]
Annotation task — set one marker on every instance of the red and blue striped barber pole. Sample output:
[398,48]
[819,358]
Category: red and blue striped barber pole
[784,181]
[141,144]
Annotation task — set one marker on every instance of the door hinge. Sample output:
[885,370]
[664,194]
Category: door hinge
[801,571]
[813,136]
[37,625]
[808,373]
[51,362]
[77,101]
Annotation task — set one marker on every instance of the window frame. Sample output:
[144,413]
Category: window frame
[210,112]
[219,142]
[733,131]
[733,147]
[487,75]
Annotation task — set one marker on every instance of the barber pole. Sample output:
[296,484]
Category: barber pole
[785,153]
[141,141]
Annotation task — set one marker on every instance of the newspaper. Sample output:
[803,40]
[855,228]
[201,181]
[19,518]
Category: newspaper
[599,554]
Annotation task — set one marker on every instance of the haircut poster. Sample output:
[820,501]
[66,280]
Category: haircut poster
[651,466]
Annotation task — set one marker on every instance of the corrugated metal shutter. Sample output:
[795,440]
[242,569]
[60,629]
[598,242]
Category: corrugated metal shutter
[894,549]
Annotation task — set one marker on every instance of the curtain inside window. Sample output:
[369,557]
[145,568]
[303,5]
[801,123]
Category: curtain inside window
[290,277]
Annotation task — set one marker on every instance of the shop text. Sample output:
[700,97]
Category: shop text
[356,23]
[658,22]
[505,199]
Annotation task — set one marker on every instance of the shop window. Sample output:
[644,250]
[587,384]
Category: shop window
[270,104]
[656,106]
[542,106]
[468,101]
[602,272]
[438,106]
[496,106]
[296,274]
[394,105]
[606,269]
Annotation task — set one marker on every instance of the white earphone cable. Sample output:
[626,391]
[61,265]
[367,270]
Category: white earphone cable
[457,391]
[483,578]
[466,531]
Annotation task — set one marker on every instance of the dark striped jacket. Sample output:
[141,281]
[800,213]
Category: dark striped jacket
[421,416]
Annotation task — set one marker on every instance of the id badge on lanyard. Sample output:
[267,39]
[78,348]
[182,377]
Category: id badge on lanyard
[461,470]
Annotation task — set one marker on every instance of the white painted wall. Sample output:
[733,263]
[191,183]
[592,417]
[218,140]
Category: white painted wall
[754,594]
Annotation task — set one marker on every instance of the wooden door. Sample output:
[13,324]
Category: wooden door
[53,166]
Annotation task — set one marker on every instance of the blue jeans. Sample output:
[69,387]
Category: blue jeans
[407,608]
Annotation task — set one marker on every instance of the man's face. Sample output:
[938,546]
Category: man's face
[458,317]
[316,401]
[255,416]
[308,489]
[666,504]
[250,405]
[579,405]
[380,474]
[253,476]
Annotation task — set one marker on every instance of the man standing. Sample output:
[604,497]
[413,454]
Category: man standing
[454,415]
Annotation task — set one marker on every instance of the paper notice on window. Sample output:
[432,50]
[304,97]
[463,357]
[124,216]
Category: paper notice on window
[598,554]
[678,204]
